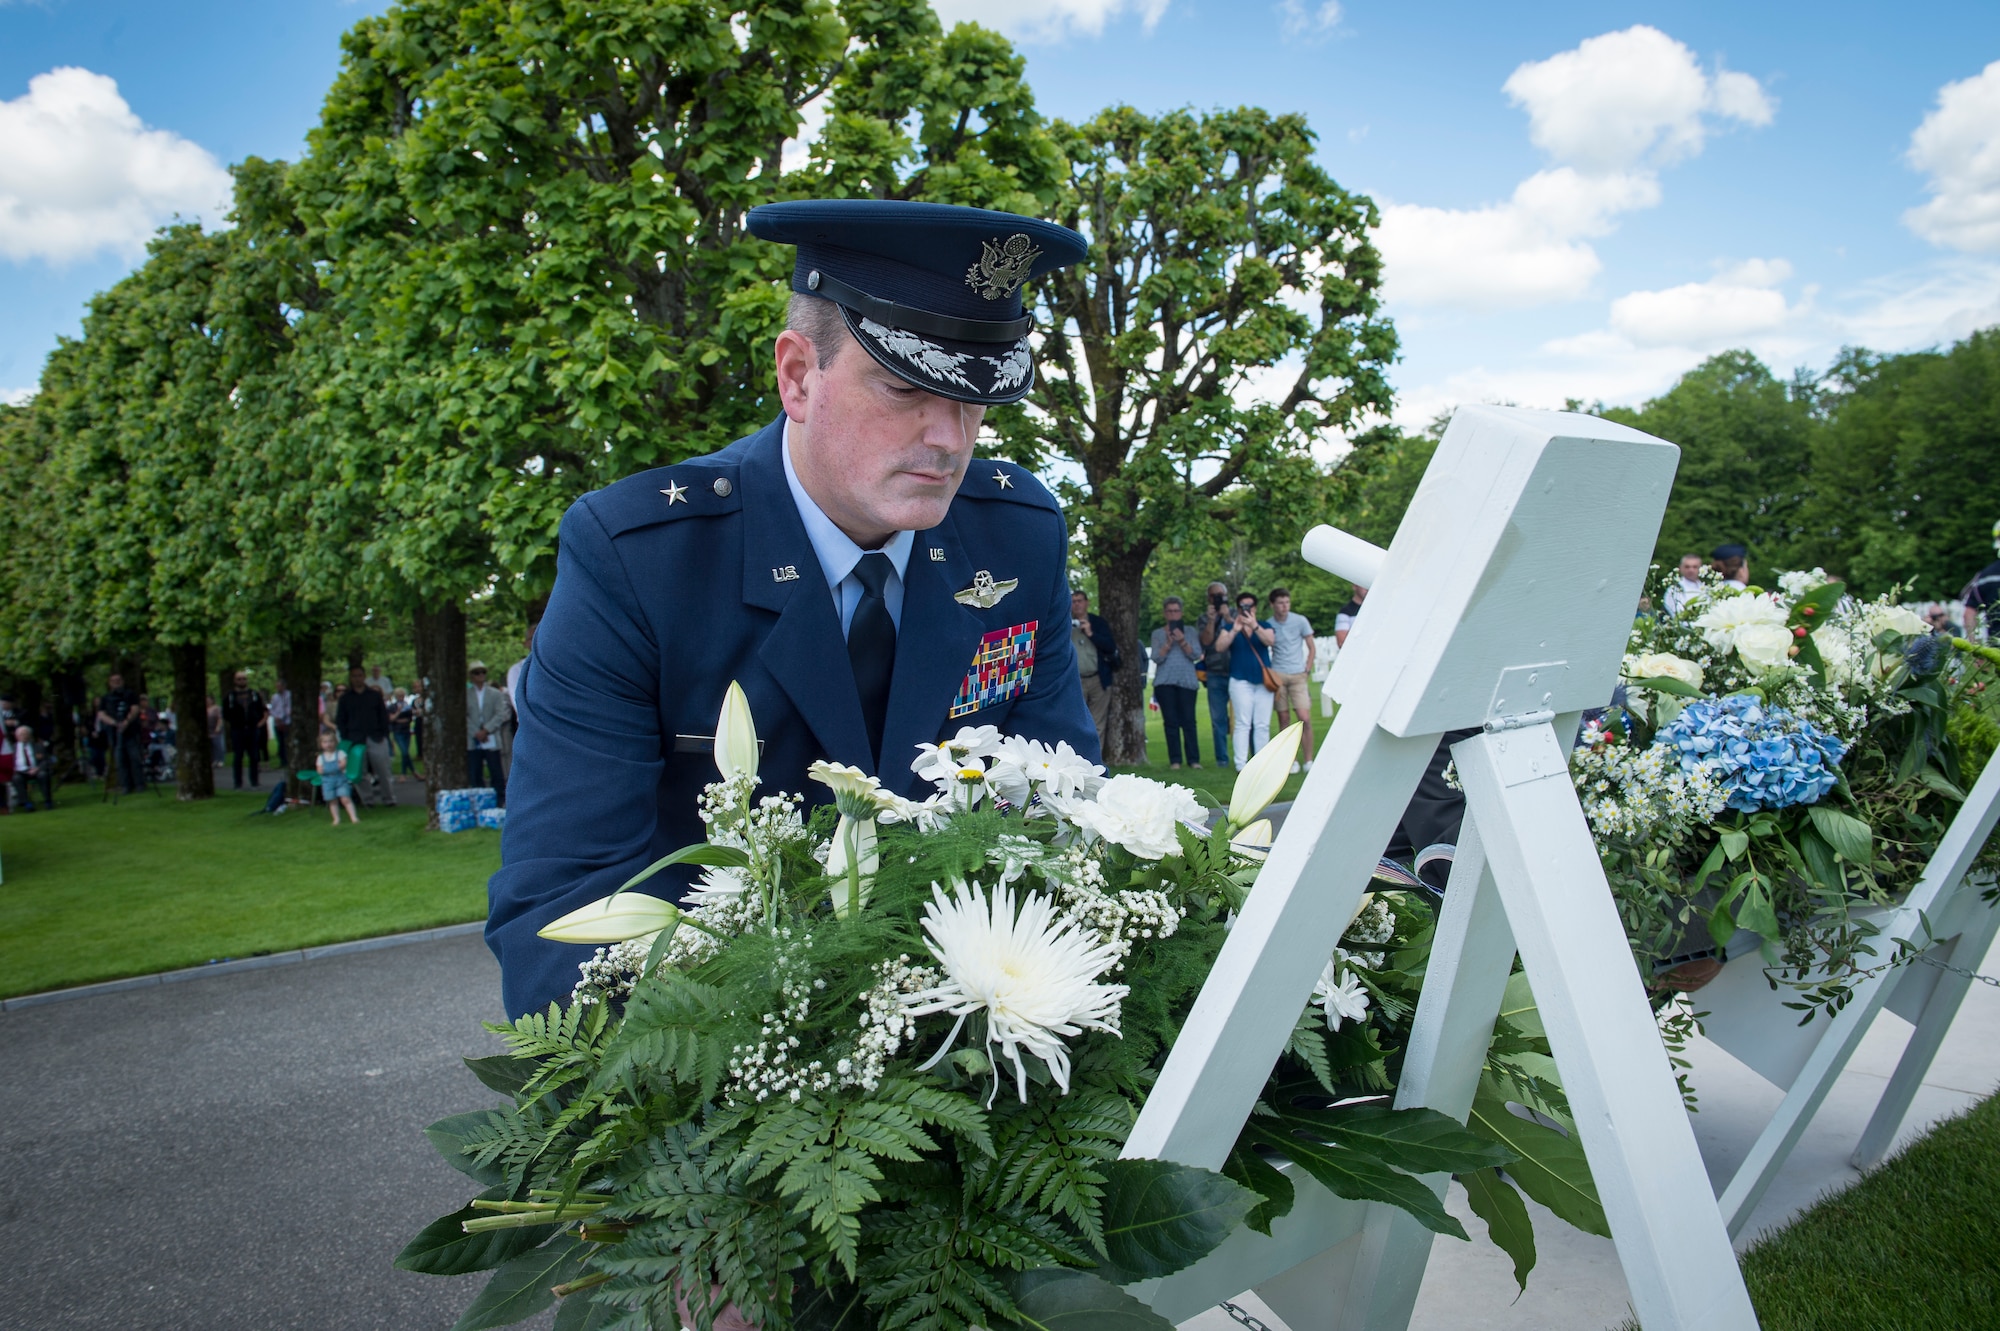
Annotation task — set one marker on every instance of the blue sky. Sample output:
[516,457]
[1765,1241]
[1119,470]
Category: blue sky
[1582,200]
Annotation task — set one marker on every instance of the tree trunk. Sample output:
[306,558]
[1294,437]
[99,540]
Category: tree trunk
[194,768]
[72,699]
[441,666]
[1119,580]
[298,668]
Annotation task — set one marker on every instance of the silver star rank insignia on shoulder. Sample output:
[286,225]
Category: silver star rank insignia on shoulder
[1002,479]
[675,493]
[985,593]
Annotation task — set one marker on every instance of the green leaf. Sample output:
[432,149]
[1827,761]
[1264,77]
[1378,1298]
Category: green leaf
[1756,913]
[502,1072]
[443,1248]
[579,1312]
[1506,1215]
[1818,855]
[525,1285]
[1417,1141]
[1161,1217]
[1549,1166]
[1942,784]
[449,1135]
[1851,839]
[1059,1299]
[714,857]
[1734,842]
[1351,1174]
[1518,1006]
[1665,684]
[1259,1175]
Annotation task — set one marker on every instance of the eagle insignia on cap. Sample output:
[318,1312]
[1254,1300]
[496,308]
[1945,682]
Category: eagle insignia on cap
[1003,265]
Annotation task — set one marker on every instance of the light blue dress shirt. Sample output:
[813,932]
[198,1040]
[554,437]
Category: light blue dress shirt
[838,554]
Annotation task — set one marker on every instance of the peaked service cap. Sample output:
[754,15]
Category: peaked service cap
[931,290]
[1731,552]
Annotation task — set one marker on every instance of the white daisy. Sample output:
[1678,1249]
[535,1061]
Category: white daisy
[1032,973]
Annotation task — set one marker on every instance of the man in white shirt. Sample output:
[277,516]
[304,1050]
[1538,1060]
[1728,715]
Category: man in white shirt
[1687,585]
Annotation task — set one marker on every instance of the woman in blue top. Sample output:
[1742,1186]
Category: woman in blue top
[1248,639]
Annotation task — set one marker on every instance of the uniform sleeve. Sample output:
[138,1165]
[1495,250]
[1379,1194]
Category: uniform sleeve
[583,797]
[1053,709]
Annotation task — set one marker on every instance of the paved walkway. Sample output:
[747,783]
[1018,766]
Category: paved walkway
[245,1151]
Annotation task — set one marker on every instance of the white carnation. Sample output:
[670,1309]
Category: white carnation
[1140,815]
[1835,651]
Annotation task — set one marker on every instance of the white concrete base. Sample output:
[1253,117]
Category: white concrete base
[1577,1284]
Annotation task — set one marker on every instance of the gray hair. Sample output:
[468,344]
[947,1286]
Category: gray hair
[819,321]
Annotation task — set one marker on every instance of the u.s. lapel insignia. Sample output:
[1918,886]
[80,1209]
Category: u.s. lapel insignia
[985,593]
[786,573]
[937,554]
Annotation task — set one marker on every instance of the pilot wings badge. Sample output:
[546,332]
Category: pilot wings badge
[985,593]
[1002,266]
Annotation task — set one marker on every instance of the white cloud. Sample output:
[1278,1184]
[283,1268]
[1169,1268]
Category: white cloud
[79,173]
[1722,311]
[1529,250]
[1047,20]
[14,397]
[1930,306]
[1958,146]
[1627,98]
[1610,112]
[1296,20]
[812,119]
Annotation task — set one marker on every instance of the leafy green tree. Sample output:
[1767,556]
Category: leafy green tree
[1904,486]
[1746,444]
[1226,320]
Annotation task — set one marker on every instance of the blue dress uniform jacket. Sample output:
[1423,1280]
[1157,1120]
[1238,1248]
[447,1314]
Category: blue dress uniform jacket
[672,583]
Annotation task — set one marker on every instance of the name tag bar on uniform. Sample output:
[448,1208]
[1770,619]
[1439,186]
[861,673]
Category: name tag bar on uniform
[702,744]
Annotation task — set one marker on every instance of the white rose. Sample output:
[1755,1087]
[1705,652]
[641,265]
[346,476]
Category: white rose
[1140,815]
[1663,665]
[1900,618]
[1765,646]
[1726,618]
[1836,652]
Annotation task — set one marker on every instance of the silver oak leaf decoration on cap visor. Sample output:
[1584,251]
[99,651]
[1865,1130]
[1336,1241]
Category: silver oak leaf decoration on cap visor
[926,355]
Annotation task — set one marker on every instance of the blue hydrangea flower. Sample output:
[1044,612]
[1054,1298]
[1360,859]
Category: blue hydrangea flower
[1765,757]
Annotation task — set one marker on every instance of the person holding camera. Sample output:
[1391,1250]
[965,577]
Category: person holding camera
[1248,641]
[1096,658]
[1174,684]
[1215,667]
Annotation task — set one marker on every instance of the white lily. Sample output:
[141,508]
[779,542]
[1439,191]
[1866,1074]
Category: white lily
[615,919]
[1254,840]
[1264,776]
[736,736]
[854,860]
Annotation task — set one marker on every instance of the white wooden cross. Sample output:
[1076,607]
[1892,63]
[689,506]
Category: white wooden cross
[1504,603]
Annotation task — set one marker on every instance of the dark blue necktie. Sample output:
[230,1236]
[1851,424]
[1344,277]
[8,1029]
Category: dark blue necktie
[871,646]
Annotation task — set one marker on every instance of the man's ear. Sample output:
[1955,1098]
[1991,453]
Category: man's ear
[798,367]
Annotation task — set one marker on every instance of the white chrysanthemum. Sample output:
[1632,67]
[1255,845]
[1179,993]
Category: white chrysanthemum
[1726,618]
[1836,651]
[1141,815]
[1032,972]
[717,885]
[1340,996]
[1663,665]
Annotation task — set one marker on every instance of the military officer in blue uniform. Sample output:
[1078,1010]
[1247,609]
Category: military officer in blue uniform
[869,582]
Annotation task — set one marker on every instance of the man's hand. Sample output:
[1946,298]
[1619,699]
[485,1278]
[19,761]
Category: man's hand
[480,735]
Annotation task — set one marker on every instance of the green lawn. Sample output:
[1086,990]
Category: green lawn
[1213,779]
[1912,1246]
[96,891]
